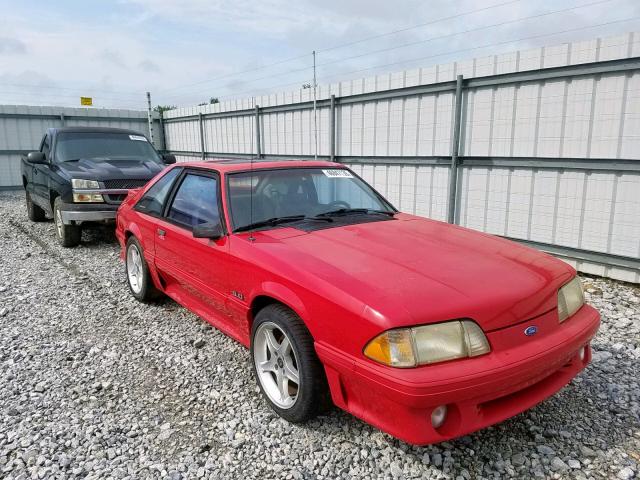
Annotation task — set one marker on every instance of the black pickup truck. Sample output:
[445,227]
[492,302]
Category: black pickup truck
[82,174]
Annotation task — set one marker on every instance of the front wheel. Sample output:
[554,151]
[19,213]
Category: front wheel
[68,235]
[286,366]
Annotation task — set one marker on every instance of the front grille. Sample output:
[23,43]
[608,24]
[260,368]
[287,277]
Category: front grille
[125,183]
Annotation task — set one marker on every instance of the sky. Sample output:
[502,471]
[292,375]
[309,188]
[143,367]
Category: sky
[186,51]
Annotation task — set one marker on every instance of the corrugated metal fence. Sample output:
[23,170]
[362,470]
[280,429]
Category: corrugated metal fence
[22,128]
[542,146]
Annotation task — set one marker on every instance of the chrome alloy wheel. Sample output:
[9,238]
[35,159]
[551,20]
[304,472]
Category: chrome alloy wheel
[59,224]
[135,271]
[276,365]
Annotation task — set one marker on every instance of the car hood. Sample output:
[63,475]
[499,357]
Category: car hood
[413,270]
[106,169]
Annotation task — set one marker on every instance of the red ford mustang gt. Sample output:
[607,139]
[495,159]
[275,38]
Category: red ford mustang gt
[425,330]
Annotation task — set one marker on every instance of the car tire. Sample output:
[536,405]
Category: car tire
[34,212]
[68,235]
[310,396]
[137,271]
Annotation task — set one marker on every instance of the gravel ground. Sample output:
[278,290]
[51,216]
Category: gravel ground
[96,385]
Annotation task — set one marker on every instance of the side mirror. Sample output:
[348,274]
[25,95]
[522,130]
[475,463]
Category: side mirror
[169,158]
[208,230]
[36,157]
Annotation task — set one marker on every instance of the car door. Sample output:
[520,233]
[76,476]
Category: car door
[195,269]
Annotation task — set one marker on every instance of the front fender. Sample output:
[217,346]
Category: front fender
[284,295]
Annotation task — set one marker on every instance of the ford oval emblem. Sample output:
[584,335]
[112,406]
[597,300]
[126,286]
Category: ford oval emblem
[532,330]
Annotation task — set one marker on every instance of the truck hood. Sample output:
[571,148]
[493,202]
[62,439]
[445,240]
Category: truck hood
[106,169]
[413,270]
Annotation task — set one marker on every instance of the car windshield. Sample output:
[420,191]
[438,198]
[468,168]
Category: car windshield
[71,146]
[264,198]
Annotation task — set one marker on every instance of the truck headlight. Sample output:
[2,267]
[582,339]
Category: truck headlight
[82,184]
[439,342]
[570,299]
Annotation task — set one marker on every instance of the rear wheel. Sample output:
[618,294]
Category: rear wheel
[138,276]
[68,235]
[35,213]
[286,366]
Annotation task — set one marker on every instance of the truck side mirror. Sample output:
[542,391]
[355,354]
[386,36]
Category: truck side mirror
[36,157]
[168,158]
[208,230]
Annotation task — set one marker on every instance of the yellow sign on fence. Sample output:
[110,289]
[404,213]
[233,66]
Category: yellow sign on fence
[86,101]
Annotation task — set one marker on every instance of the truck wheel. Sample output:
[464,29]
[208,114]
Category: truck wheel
[68,235]
[35,213]
[138,276]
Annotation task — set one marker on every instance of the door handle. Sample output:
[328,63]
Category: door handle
[161,232]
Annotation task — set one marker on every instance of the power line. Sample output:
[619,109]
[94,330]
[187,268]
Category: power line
[51,87]
[471,30]
[432,22]
[463,50]
[531,37]
[286,60]
[298,70]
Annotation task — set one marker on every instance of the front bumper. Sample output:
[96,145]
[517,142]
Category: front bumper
[519,373]
[87,212]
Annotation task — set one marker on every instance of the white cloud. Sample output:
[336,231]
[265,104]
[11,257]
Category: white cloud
[158,45]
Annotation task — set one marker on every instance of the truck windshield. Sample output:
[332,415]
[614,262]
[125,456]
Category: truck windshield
[72,146]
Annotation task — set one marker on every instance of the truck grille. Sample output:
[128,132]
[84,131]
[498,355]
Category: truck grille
[119,184]
[125,183]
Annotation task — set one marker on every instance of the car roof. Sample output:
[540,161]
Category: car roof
[94,130]
[225,165]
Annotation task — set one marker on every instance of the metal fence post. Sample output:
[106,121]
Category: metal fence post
[258,142]
[150,117]
[332,128]
[62,119]
[453,174]
[163,138]
[202,149]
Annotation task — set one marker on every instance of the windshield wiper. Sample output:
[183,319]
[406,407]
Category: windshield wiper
[350,211]
[272,222]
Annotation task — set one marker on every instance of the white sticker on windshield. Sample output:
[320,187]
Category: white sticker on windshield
[337,173]
[140,138]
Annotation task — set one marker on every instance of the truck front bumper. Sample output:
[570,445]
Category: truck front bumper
[73,213]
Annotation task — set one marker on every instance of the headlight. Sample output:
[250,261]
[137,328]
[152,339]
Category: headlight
[81,184]
[409,347]
[570,299]
[84,184]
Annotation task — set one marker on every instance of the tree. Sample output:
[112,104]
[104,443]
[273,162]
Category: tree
[164,108]
[211,101]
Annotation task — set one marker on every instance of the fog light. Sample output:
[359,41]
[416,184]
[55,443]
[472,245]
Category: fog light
[438,416]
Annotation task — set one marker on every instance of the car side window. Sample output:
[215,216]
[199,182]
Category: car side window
[154,199]
[196,201]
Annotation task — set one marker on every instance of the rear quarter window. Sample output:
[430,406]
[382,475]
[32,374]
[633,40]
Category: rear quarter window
[154,199]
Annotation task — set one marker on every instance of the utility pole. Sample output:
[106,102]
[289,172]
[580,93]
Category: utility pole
[150,117]
[315,112]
